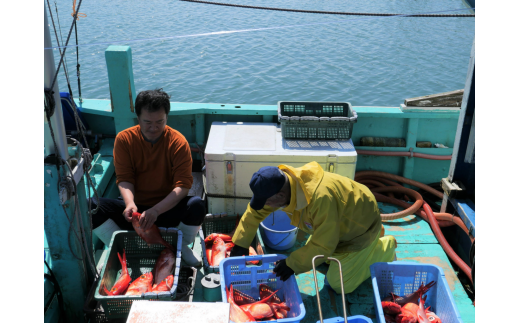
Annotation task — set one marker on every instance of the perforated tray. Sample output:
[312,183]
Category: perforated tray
[140,260]
[222,223]
[404,278]
[247,278]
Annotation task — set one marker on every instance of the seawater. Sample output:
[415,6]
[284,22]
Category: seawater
[363,60]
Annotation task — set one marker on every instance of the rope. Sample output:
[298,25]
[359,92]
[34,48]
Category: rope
[328,12]
[66,44]
[69,183]
[65,65]
[79,14]
[77,63]
[222,32]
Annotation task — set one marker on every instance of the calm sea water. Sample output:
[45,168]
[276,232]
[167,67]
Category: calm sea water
[362,60]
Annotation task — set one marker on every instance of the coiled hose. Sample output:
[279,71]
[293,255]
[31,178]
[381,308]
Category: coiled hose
[445,245]
[375,180]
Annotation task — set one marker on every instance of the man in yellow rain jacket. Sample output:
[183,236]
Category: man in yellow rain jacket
[340,214]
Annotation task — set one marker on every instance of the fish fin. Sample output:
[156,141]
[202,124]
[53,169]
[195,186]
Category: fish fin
[107,291]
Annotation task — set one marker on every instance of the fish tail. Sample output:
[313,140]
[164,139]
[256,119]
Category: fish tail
[169,246]
[426,288]
[123,262]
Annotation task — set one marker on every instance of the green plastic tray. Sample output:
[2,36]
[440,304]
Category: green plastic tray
[223,223]
[140,260]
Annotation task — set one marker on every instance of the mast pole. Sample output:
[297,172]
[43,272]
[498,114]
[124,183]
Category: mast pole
[57,118]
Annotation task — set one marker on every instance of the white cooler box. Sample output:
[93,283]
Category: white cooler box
[236,150]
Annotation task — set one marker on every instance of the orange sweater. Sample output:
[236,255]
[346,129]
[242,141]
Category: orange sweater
[154,170]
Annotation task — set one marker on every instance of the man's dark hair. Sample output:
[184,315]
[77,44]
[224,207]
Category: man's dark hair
[152,101]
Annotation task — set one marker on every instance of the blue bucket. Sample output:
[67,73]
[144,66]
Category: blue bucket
[281,235]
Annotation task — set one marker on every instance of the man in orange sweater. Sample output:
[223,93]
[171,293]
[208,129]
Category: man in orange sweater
[153,167]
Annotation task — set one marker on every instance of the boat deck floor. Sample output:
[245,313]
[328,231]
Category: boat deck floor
[416,242]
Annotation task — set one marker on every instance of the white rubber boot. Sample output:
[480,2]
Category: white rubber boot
[189,233]
[104,231]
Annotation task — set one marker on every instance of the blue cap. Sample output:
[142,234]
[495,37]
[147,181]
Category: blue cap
[265,183]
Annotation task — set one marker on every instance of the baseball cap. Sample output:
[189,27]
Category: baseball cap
[266,182]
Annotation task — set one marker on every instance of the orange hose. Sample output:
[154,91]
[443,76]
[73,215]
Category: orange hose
[444,219]
[445,245]
[376,183]
[382,180]
[401,214]
[402,154]
[402,180]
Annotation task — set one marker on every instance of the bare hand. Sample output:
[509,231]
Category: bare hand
[148,218]
[127,213]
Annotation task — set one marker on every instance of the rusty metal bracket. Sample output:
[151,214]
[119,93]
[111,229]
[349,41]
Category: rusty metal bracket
[452,189]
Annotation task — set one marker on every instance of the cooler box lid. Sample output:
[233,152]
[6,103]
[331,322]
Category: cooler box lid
[248,141]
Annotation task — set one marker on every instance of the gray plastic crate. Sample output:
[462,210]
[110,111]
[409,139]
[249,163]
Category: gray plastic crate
[316,120]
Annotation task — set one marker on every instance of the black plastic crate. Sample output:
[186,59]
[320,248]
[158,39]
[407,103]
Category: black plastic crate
[185,288]
[316,120]
[141,259]
[222,223]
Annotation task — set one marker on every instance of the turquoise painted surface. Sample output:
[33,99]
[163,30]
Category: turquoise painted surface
[67,269]
[410,229]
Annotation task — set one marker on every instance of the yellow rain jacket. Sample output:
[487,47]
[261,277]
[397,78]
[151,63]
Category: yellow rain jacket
[341,215]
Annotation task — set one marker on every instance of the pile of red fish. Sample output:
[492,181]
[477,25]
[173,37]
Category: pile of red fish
[244,308]
[145,283]
[409,308]
[160,279]
[218,247]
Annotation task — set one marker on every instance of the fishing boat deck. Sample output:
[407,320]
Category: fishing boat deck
[416,242]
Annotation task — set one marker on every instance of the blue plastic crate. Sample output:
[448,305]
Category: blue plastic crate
[404,278]
[247,278]
[351,319]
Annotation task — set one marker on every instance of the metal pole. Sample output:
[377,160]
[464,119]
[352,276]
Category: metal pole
[58,126]
[318,291]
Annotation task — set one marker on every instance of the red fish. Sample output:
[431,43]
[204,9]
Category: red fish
[432,317]
[124,280]
[410,298]
[237,314]
[410,312]
[265,291]
[150,236]
[164,265]
[224,237]
[406,317]
[281,311]
[241,298]
[141,285]
[247,307]
[252,252]
[164,286]
[229,246]
[260,311]
[218,251]
[391,308]
[411,307]
[421,313]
